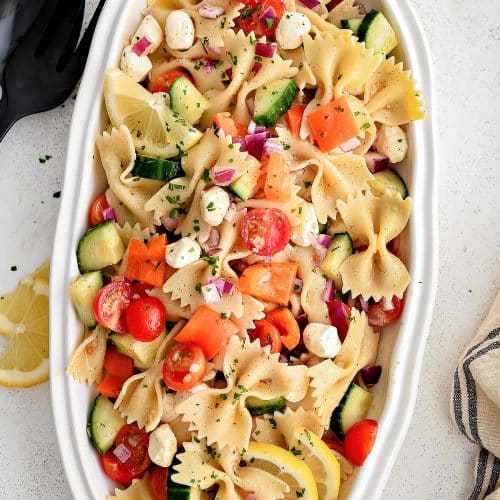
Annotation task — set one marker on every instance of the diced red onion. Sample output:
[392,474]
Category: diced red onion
[223,176]
[387,304]
[302,320]
[363,303]
[265,49]
[324,240]
[109,214]
[210,293]
[297,285]
[256,67]
[273,145]
[376,162]
[251,496]
[241,142]
[253,128]
[122,453]
[141,46]
[211,11]
[231,213]
[339,317]
[350,145]
[371,374]
[255,143]
[250,102]
[319,249]
[282,358]
[223,286]
[214,251]
[208,65]
[329,293]
[215,50]
[213,238]
[310,4]
[169,223]
[269,13]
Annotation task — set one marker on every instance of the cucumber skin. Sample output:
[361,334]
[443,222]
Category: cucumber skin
[90,424]
[261,408]
[172,92]
[98,274]
[399,184]
[269,117]
[364,28]
[156,168]
[324,267]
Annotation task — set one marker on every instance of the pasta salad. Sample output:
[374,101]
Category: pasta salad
[242,261]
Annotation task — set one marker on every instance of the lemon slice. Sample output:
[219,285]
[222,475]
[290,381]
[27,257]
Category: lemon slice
[321,461]
[285,466]
[155,129]
[24,322]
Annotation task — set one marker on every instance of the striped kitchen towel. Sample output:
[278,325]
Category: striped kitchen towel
[475,403]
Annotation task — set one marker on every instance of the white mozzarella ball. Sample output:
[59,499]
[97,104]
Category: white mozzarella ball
[150,29]
[322,340]
[137,67]
[214,205]
[291,28]
[391,141]
[182,252]
[179,30]
[307,223]
[162,446]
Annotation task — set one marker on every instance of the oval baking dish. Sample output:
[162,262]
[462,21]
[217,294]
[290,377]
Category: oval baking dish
[402,346]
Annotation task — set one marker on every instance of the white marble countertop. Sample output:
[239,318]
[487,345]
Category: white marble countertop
[436,462]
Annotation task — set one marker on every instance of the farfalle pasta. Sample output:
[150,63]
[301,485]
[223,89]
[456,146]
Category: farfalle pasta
[245,254]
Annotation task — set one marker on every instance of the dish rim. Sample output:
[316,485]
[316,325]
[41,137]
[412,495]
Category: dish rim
[407,356]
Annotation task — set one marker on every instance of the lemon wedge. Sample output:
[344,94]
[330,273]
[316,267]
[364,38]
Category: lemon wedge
[156,130]
[325,467]
[285,466]
[24,322]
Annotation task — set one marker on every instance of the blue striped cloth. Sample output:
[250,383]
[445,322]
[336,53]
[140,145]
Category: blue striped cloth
[475,403]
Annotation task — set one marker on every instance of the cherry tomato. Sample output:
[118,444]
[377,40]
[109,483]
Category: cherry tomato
[359,441]
[162,83]
[139,290]
[266,231]
[267,334]
[137,441]
[158,481]
[184,366]
[115,470]
[146,318]
[378,317]
[110,304]
[95,212]
[249,18]
[333,445]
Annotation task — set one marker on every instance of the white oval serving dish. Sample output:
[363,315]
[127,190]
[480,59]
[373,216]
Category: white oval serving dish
[402,346]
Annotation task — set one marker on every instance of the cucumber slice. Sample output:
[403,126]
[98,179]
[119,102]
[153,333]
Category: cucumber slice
[353,408]
[104,424]
[273,100]
[156,168]
[377,33]
[187,100]
[181,492]
[339,249]
[99,247]
[245,185]
[143,353]
[351,24]
[388,179]
[258,406]
[82,292]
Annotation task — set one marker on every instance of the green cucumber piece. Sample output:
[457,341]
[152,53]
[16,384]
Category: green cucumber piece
[351,24]
[176,491]
[187,100]
[82,292]
[273,100]
[104,424]
[143,353]
[377,33]
[244,186]
[258,406]
[339,249]
[99,247]
[352,408]
[388,180]
[156,168]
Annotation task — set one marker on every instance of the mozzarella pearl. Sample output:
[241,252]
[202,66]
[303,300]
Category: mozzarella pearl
[179,30]
[307,223]
[214,205]
[322,340]
[182,252]
[137,67]
[392,142]
[150,29]
[292,27]
[162,445]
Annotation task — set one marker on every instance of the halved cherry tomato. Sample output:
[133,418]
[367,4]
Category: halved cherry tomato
[162,83]
[110,305]
[249,18]
[146,318]
[359,441]
[339,317]
[139,290]
[266,231]
[378,317]
[137,442]
[287,325]
[333,445]
[267,334]
[157,481]
[117,363]
[115,470]
[184,366]
[95,212]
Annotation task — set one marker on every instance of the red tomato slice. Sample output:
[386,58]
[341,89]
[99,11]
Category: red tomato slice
[266,231]
[249,18]
[137,441]
[146,318]
[184,366]
[158,481]
[267,334]
[115,470]
[95,212]
[162,83]
[359,441]
[117,363]
[110,304]
[139,290]
[378,317]
[333,445]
